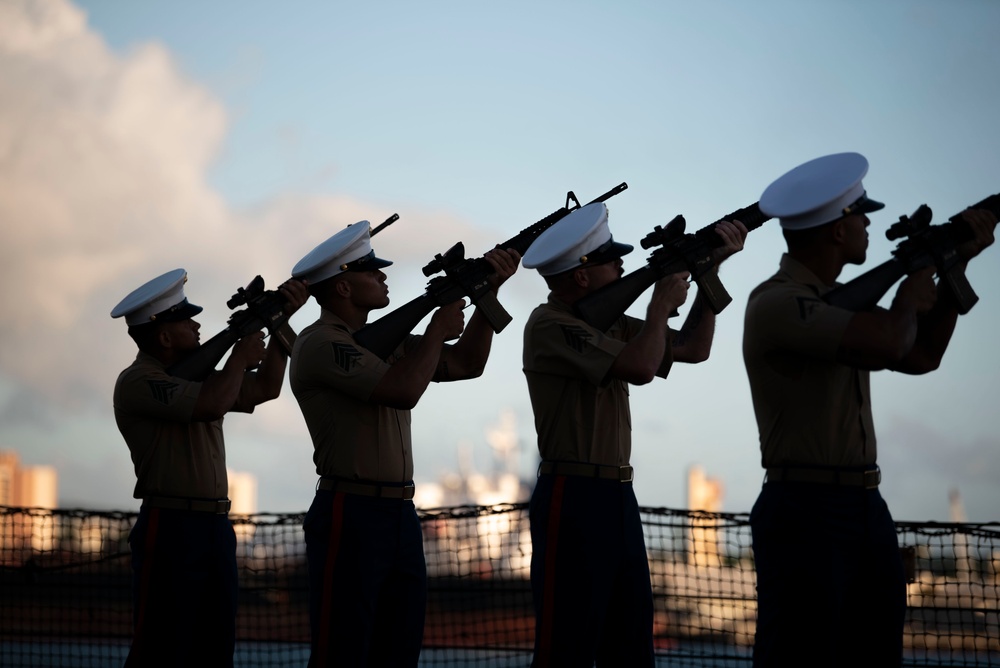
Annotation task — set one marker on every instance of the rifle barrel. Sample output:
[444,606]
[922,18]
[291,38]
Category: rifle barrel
[611,193]
[384,224]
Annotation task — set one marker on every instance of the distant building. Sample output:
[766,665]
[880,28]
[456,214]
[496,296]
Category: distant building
[489,542]
[467,486]
[704,494]
[27,487]
[243,495]
[242,492]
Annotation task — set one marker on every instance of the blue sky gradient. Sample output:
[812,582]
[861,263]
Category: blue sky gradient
[230,138]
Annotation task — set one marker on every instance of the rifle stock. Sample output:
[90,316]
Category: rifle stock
[679,252]
[864,292]
[463,278]
[922,245]
[200,363]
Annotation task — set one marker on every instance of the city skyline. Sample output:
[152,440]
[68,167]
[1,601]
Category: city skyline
[230,139]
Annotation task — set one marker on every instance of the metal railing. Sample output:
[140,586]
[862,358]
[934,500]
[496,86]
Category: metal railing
[65,588]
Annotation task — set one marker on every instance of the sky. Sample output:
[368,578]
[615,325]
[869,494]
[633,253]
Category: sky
[230,138]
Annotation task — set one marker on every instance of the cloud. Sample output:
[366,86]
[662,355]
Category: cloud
[101,168]
[103,161]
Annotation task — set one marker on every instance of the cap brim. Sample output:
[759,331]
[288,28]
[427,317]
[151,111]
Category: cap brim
[182,312]
[621,249]
[869,205]
[613,252]
[367,263]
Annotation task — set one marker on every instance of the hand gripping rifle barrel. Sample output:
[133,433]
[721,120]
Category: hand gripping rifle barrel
[678,251]
[462,278]
[920,245]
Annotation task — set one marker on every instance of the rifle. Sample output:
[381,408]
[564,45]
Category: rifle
[462,278]
[678,252]
[922,245]
[264,308]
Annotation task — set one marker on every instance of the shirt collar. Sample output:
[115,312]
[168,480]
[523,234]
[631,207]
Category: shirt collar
[799,273]
[328,317]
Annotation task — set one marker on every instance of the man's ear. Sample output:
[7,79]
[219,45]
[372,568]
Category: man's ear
[342,287]
[163,337]
[581,277]
[837,231]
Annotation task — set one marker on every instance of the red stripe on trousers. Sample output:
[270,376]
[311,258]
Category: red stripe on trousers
[146,575]
[336,529]
[549,591]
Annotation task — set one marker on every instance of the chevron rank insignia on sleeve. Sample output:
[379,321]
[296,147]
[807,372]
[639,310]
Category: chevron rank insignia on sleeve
[576,337]
[162,390]
[345,356]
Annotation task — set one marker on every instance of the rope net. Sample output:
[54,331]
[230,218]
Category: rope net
[65,588]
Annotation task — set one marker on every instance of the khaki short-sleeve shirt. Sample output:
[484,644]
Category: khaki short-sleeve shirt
[332,378]
[172,455]
[811,409]
[581,415]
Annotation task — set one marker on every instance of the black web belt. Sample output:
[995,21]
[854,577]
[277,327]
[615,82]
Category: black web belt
[217,506]
[869,479]
[384,491]
[619,473]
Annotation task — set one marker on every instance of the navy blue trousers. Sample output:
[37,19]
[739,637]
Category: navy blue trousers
[589,575]
[831,590]
[367,581]
[184,589]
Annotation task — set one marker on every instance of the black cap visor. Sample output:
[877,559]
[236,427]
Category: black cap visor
[367,263]
[178,312]
[863,205]
[606,252]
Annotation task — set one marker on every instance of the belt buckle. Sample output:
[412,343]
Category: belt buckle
[872,478]
[627,470]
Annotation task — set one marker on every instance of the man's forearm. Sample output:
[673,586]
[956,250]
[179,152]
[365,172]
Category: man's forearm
[693,342]
[468,356]
[271,373]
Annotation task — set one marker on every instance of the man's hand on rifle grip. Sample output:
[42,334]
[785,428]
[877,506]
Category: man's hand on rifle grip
[669,293]
[249,351]
[448,321]
[917,291]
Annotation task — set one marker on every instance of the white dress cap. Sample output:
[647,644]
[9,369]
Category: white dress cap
[581,237]
[819,191]
[161,299]
[347,250]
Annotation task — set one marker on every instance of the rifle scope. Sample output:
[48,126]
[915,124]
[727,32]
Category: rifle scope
[243,295]
[908,225]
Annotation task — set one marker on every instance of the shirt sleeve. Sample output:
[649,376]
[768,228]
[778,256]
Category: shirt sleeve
[798,321]
[154,394]
[337,361]
[572,348]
